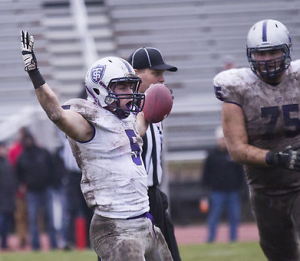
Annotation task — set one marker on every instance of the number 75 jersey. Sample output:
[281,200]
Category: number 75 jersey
[272,113]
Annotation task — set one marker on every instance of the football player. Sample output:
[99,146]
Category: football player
[106,142]
[261,123]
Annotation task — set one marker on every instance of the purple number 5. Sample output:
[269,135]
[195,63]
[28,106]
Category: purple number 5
[135,148]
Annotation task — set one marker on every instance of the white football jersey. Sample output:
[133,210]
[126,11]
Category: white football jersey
[114,180]
[272,117]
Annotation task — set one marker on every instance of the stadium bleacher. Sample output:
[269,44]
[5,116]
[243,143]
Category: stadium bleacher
[195,35]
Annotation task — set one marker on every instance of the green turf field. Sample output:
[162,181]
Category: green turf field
[204,252]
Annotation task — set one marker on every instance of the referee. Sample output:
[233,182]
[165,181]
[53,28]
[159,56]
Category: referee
[149,65]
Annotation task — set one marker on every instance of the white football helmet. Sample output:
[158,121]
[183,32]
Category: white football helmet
[269,35]
[100,82]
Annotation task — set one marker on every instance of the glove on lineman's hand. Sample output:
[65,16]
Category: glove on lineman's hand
[289,158]
[27,51]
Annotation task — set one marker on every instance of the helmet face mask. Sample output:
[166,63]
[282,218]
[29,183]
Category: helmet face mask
[269,68]
[113,99]
[269,36]
[102,79]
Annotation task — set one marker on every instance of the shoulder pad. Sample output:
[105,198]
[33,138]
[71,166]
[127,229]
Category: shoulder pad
[88,109]
[295,68]
[230,85]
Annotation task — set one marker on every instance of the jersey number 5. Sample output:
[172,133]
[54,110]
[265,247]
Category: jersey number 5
[135,148]
[274,113]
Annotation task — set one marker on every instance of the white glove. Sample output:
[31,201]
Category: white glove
[27,51]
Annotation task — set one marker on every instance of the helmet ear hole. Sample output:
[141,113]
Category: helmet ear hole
[97,91]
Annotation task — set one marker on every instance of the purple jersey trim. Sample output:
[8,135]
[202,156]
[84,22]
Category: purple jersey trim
[90,138]
[66,107]
[234,103]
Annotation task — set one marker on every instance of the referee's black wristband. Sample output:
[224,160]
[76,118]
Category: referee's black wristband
[36,78]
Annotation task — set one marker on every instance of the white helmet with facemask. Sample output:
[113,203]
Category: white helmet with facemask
[100,82]
[269,35]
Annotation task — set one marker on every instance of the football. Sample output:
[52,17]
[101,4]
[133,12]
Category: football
[158,103]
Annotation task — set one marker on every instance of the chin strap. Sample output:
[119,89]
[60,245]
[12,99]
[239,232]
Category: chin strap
[120,113]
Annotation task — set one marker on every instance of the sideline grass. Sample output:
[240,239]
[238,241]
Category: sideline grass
[204,252]
[222,252]
[87,255]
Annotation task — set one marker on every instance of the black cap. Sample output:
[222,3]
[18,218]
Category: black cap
[149,57]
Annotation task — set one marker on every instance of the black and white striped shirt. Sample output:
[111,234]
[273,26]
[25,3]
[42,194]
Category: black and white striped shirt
[152,153]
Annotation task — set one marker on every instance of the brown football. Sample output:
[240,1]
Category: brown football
[158,102]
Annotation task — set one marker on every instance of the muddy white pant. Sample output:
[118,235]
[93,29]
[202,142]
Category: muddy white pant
[128,239]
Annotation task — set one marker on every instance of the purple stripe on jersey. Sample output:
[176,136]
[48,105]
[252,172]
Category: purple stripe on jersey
[234,103]
[90,138]
[66,107]
[264,31]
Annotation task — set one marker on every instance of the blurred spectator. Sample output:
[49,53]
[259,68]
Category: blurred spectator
[82,94]
[16,148]
[57,189]
[75,211]
[34,169]
[21,221]
[228,62]
[221,186]
[8,188]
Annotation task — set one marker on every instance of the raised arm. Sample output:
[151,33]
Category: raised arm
[236,137]
[70,122]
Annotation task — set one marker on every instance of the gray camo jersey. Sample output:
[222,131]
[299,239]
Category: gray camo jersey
[272,117]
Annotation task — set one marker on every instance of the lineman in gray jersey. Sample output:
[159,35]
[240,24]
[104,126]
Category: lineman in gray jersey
[106,141]
[261,123]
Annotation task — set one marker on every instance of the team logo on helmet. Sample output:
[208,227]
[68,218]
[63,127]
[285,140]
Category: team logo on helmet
[97,73]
